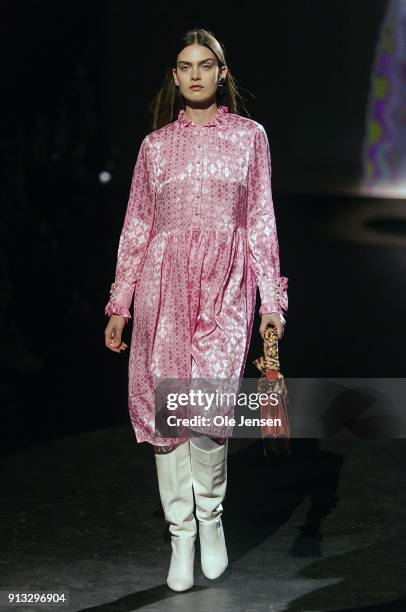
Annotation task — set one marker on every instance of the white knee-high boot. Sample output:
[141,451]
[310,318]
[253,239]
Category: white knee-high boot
[209,475]
[176,492]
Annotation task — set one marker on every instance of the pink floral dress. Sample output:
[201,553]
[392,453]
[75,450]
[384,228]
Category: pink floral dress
[199,236]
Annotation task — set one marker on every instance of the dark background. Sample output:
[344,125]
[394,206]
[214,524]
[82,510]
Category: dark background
[77,79]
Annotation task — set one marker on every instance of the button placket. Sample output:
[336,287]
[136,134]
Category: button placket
[199,135]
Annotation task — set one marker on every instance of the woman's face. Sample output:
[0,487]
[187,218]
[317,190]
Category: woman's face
[197,65]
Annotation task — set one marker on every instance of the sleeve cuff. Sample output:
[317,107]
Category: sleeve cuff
[121,311]
[274,296]
[120,298]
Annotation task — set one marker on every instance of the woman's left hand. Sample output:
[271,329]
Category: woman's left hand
[274,318]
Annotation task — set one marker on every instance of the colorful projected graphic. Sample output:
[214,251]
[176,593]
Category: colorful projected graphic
[384,147]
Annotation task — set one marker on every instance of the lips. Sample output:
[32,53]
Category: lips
[196,87]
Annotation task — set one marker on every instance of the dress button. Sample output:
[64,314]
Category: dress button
[198,195]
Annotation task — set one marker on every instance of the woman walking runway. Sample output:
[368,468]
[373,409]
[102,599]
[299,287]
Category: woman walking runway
[199,236]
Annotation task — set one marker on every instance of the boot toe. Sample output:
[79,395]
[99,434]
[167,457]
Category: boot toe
[179,585]
[214,558]
[181,570]
[214,570]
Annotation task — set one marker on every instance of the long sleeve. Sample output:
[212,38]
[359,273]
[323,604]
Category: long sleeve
[261,227]
[134,236]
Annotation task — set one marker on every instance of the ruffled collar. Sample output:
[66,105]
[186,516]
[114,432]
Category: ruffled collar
[218,117]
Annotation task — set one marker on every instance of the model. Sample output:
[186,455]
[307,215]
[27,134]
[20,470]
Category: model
[199,236]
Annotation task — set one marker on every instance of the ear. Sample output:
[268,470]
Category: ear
[174,76]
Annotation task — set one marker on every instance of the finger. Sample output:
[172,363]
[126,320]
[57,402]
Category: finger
[112,339]
[117,349]
[108,338]
[112,348]
[116,337]
[114,342]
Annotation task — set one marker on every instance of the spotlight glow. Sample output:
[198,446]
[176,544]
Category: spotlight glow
[104,177]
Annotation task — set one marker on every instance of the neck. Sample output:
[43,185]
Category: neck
[200,114]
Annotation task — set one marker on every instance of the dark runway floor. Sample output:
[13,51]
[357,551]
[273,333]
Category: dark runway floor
[322,530]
